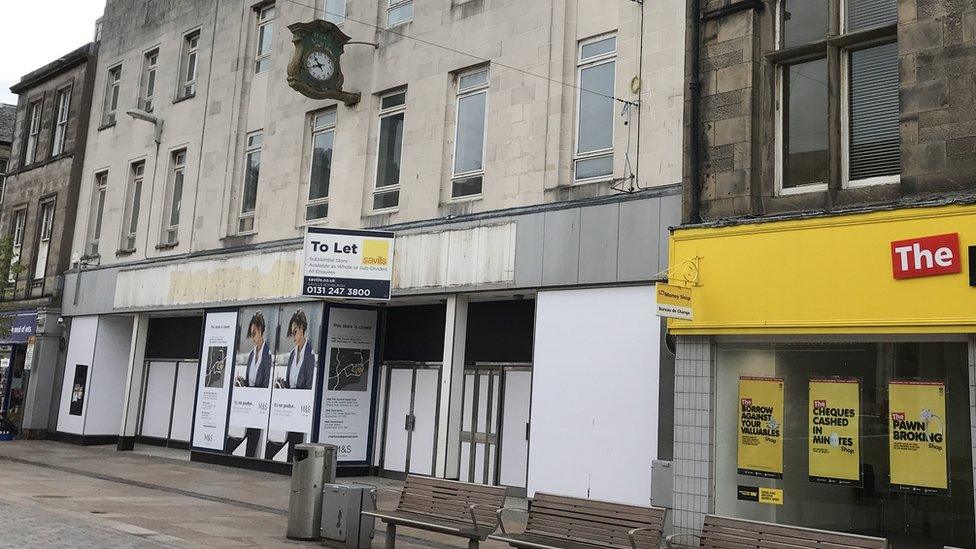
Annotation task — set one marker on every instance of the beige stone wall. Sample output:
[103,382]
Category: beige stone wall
[531,119]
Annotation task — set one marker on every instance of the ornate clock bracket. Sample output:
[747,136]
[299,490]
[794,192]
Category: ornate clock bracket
[324,39]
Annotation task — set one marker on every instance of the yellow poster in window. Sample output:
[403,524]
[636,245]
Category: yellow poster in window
[917,440]
[834,446]
[761,427]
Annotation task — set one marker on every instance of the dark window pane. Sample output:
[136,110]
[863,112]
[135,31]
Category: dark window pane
[594,167]
[875,140]
[394,100]
[251,182]
[466,187]
[600,47]
[317,211]
[391,142]
[386,200]
[596,108]
[805,124]
[804,21]
[318,186]
[865,14]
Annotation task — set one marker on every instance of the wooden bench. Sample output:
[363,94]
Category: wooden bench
[732,532]
[565,522]
[445,506]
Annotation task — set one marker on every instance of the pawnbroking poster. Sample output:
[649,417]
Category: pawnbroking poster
[210,419]
[760,441]
[917,439]
[834,429]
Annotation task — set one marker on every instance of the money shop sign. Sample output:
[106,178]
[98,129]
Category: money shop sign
[347,263]
[760,441]
[834,423]
[917,442]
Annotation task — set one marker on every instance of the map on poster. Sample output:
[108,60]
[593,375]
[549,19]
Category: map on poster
[213,383]
[347,395]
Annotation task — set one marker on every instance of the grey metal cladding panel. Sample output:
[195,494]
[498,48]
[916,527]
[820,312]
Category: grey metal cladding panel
[96,295]
[560,254]
[598,244]
[670,217]
[639,242]
[529,236]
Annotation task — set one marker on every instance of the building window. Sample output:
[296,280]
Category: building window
[111,95]
[133,201]
[33,131]
[596,74]
[323,140]
[63,103]
[389,148]
[96,212]
[249,191]
[399,11]
[335,11]
[148,87]
[174,197]
[864,105]
[469,134]
[3,179]
[188,65]
[45,230]
[262,57]
[17,238]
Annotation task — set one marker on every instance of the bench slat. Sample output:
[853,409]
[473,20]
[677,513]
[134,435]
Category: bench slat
[607,520]
[580,527]
[720,532]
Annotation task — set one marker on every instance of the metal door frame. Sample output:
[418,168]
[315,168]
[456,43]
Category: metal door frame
[388,368]
[168,441]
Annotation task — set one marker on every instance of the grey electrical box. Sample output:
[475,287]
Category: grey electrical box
[662,484]
[343,525]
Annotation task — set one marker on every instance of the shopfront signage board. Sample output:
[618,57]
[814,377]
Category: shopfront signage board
[834,426]
[760,437]
[917,438]
[674,302]
[347,264]
[928,256]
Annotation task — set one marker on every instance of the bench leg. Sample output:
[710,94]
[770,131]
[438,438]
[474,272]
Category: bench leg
[472,544]
[390,536]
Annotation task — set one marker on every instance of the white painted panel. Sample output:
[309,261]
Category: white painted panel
[483,403]
[479,463]
[468,406]
[380,413]
[158,399]
[465,469]
[106,386]
[452,258]
[595,398]
[515,448]
[183,401]
[425,410]
[395,448]
[81,349]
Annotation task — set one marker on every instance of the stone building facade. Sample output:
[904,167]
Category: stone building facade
[8,115]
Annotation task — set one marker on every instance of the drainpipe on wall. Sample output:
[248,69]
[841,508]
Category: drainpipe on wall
[694,134]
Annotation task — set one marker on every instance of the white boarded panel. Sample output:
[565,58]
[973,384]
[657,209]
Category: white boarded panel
[395,447]
[183,401]
[477,255]
[515,414]
[81,348]
[595,398]
[425,410]
[106,383]
[158,399]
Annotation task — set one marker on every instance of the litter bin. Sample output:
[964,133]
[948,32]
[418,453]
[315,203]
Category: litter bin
[314,465]
[343,525]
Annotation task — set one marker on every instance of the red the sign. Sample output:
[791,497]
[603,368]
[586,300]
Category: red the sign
[928,256]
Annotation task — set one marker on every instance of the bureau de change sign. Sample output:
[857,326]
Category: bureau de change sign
[347,263]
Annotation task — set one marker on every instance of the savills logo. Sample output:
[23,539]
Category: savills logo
[376,252]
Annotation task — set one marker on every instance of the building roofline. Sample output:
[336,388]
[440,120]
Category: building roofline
[56,67]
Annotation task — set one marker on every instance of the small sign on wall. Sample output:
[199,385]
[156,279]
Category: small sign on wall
[928,256]
[674,302]
[349,264]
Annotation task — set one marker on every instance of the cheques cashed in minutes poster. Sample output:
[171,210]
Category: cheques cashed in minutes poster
[347,391]
[253,368]
[760,440]
[834,427]
[294,380]
[917,438]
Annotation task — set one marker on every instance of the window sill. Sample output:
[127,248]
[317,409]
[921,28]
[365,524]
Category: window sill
[466,198]
[802,189]
[600,179]
[106,126]
[245,233]
[182,98]
[167,246]
[873,182]
[399,24]
[123,252]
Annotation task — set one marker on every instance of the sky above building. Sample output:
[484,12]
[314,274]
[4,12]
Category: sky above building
[40,31]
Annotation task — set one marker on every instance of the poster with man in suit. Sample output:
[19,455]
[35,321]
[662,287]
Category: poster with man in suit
[253,370]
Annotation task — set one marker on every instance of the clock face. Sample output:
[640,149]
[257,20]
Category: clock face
[319,65]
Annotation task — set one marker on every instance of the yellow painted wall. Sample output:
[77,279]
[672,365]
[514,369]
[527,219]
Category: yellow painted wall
[828,275]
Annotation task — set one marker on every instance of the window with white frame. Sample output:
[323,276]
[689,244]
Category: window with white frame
[596,75]
[44,231]
[335,11]
[62,106]
[174,197]
[389,148]
[265,35]
[33,132]
[320,171]
[864,106]
[3,179]
[469,133]
[112,85]
[133,203]
[95,213]
[147,92]
[249,188]
[399,11]
[188,65]
[17,241]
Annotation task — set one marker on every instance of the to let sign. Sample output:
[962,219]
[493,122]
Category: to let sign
[928,256]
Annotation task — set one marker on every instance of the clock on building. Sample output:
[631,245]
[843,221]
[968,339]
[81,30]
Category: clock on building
[314,69]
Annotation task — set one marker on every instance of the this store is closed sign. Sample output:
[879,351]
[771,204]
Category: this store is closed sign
[926,256]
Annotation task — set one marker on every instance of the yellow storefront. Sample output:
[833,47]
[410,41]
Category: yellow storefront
[841,379]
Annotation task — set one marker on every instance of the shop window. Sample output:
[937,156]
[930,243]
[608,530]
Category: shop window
[596,74]
[390,147]
[320,172]
[912,495]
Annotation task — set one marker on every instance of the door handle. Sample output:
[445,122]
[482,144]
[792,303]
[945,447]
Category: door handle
[406,422]
[409,422]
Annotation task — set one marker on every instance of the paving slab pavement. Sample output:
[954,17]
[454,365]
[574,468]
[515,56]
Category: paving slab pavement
[62,495]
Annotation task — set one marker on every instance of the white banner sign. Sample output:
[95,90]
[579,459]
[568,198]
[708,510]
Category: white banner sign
[209,422]
[348,389]
[349,264]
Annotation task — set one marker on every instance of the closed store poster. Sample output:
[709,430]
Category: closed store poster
[834,427]
[917,441]
[760,442]
[250,402]
[210,419]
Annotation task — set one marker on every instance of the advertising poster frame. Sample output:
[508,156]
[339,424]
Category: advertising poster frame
[827,460]
[756,455]
[200,367]
[910,472]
